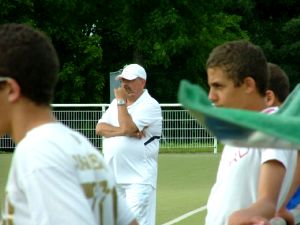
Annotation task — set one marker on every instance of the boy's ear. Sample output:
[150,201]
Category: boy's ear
[270,98]
[14,90]
[250,84]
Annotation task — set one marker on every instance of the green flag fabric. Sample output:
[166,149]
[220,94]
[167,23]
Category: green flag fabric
[243,127]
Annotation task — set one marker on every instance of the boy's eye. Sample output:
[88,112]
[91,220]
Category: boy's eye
[217,85]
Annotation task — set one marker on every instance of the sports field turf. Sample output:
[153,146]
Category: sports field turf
[4,167]
[184,182]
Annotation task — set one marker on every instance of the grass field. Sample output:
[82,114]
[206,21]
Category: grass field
[184,182]
[4,167]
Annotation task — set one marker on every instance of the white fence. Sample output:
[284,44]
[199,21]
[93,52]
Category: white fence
[180,130]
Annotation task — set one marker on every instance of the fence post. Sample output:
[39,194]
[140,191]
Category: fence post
[103,108]
[215,145]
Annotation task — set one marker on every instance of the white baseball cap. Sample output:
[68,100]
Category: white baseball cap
[132,71]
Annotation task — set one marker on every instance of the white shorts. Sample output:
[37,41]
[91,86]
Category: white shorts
[141,198]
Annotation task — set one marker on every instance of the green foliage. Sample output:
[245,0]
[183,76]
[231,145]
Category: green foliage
[273,25]
[166,29]
[80,79]
[289,50]
[171,39]
[69,24]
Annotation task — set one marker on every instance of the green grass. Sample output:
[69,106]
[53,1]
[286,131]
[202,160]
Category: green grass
[5,159]
[184,182]
[191,150]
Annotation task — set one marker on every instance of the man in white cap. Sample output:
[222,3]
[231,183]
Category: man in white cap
[131,128]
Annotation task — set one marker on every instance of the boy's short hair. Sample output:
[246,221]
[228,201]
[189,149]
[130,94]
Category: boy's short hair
[28,56]
[241,59]
[279,82]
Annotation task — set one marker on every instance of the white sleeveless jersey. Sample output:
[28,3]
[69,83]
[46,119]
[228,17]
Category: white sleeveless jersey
[58,177]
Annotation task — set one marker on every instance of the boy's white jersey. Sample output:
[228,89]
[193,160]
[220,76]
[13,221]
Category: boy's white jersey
[237,181]
[58,177]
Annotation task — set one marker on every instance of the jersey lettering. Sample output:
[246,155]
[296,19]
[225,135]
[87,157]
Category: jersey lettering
[88,162]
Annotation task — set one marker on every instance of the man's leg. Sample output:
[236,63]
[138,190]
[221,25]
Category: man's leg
[141,198]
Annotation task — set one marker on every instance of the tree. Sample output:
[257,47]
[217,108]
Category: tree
[273,25]
[290,49]
[69,24]
[171,39]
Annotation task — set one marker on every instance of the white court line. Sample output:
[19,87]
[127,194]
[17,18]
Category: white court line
[184,216]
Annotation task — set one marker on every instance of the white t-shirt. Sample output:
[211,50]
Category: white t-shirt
[135,160]
[238,177]
[58,177]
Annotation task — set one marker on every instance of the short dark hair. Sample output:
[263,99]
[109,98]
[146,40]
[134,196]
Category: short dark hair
[28,56]
[241,59]
[279,82]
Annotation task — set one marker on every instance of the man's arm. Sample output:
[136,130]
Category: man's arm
[271,177]
[108,130]
[126,125]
